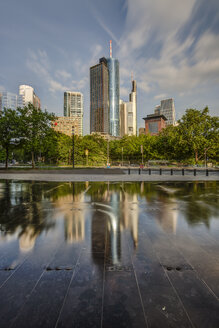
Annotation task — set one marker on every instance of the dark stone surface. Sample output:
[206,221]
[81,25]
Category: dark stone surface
[109,255]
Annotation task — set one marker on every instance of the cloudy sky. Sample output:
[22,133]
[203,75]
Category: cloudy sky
[171,46]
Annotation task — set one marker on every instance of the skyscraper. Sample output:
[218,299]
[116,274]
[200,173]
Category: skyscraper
[104,96]
[167,109]
[113,67]
[128,112]
[8,100]
[27,95]
[99,97]
[73,107]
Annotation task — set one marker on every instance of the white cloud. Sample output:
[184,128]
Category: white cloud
[124,92]
[38,62]
[176,68]
[161,96]
[62,74]
[104,26]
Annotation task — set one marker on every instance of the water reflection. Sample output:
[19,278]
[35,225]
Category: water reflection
[100,211]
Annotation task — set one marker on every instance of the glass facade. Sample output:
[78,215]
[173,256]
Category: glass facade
[99,97]
[113,68]
[73,107]
[167,109]
[8,100]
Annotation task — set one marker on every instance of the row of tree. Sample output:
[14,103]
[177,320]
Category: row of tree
[26,134]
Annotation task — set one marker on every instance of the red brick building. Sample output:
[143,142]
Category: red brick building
[154,123]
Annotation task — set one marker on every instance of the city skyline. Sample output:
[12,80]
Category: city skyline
[171,56]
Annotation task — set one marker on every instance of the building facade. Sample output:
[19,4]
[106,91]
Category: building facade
[64,125]
[99,97]
[113,67]
[154,124]
[104,96]
[8,100]
[74,108]
[167,108]
[128,113]
[27,95]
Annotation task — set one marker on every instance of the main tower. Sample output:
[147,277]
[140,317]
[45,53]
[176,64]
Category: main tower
[113,68]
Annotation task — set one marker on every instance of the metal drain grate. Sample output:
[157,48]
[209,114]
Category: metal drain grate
[7,269]
[59,268]
[118,268]
[183,267]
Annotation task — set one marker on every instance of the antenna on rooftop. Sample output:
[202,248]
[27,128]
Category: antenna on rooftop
[110,48]
[131,76]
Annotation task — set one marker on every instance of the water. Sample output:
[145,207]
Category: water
[109,254]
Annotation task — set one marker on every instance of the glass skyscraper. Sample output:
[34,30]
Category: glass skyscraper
[74,108]
[113,67]
[99,97]
[104,97]
[8,100]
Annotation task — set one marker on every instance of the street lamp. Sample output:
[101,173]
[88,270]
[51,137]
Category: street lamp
[73,146]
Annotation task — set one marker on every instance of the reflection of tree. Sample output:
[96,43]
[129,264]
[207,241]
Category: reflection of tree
[198,200]
[22,212]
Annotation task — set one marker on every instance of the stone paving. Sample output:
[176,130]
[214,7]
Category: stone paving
[105,255]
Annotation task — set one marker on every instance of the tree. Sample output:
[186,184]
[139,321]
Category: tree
[199,131]
[9,131]
[34,126]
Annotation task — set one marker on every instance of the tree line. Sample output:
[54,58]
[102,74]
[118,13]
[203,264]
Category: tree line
[26,135]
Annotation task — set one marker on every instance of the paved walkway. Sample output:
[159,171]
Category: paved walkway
[61,176]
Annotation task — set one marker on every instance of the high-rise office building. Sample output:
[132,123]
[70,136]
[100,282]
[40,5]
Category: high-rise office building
[113,67]
[104,96]
[8,100]
[73,107]
[64,125]
[99,97]
[27,95]
[128,113]
[167,108]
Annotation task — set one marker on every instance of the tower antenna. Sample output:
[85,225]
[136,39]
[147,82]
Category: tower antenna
[110,48]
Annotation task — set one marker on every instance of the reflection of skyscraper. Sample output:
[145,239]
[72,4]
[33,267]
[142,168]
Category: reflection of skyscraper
[118,211]
[104,96]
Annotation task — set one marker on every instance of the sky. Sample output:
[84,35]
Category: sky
[170,46]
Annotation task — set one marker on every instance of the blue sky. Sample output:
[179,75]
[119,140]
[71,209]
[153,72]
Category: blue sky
[171,46]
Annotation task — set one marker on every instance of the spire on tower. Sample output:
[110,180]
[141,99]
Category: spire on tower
[110,48]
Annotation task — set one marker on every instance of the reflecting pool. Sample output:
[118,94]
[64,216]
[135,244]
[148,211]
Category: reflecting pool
[91,254]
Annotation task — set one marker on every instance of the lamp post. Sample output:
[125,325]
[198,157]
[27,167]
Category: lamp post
[108,151]
[142,160]
[73,146]
[122,156]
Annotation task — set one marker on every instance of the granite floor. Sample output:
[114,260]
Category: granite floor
[109,254]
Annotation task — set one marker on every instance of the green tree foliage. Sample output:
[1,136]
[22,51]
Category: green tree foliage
[9,131]
[96,147]
[28,132]
[34,127]
[199,132]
